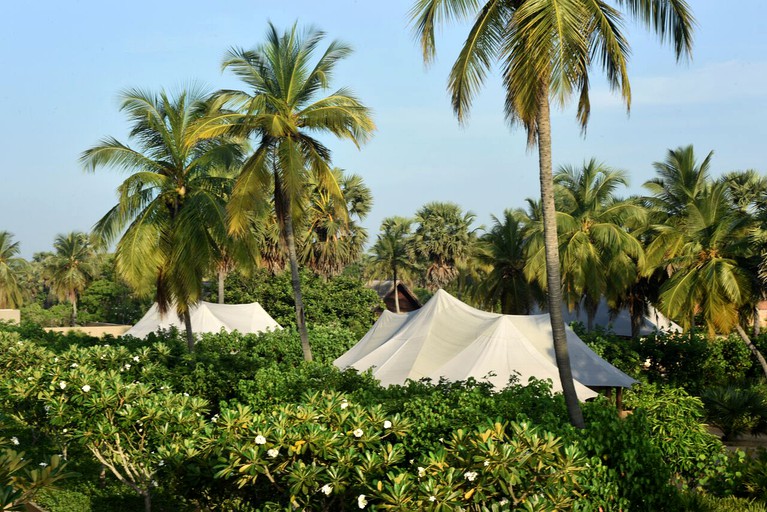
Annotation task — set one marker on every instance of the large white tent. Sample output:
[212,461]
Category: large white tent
[208,318]
[447,338]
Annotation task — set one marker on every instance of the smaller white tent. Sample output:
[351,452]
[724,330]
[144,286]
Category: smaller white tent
[447,338]
[620,323]
[208,318]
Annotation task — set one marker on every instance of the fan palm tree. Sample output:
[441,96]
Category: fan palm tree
[599,255]
[334,238]
[11,265]
[747,189]
[502,250]
[390,256]
[443,239]
[282,111]
[71,268]
[546,49]
[172,205]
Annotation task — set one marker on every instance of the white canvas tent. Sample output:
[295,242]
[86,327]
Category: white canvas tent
[447,338]
[208,318]
[620,323]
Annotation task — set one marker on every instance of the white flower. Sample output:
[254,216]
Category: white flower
[15,441]
[127,366]
[344,404]
[65,430]
[487,463]
[421,472]
[470,475]
[273,452]
[362,502]
[154,483]
[161,463]
[260,439]
[73,365]
[62,384]
[432,498]
[55,359]
[358,432]
[327,489]
[86,388]
[186,394]
[504,501]
[387,424]
[136,358]
[43,464]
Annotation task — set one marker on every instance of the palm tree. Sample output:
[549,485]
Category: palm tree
[546,48]
[747,189]
[502,250]
[599,255]
[173,202]
[443,239]
[333,237]
[681,179]
[390,256]
[71,268]
[11,265]
[282,111]
[705,253]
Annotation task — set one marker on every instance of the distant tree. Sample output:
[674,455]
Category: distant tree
[681,179]
[334,238]
[71,267]
[442,239]
[503,251]
[11,267]
[283,111]
[170,215]
[747,189]
[600,257]
[390,256]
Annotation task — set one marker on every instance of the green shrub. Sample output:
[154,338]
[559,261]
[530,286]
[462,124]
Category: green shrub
[63,500]
[736,411]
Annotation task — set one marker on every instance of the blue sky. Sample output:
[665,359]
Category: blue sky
[64,64]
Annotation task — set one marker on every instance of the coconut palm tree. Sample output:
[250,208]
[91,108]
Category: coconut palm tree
[681,179]
[502,250]
[171,208]
[71,268]
[333,236]
[390,256]
[747,189]
[546,49]
[282,111]
[443,240]
[11,266]
[705,253]
[599,254]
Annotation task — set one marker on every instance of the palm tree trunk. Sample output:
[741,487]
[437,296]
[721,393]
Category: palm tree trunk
[554,280]
[752,348]
[189,334]
[757,326]
[396,291]
[295,280]
[221,279]
[147,501]
[73,300]
[636,318]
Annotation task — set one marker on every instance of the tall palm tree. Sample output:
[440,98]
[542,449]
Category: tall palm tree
[599,255]
[502,250]
[71,267]
[546,49]
[747,189]
[171,208]
[282,111]
[11,265]
[390,256]
[443,239]
[333,236]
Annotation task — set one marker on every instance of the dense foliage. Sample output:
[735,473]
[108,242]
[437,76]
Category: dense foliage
[243,424]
